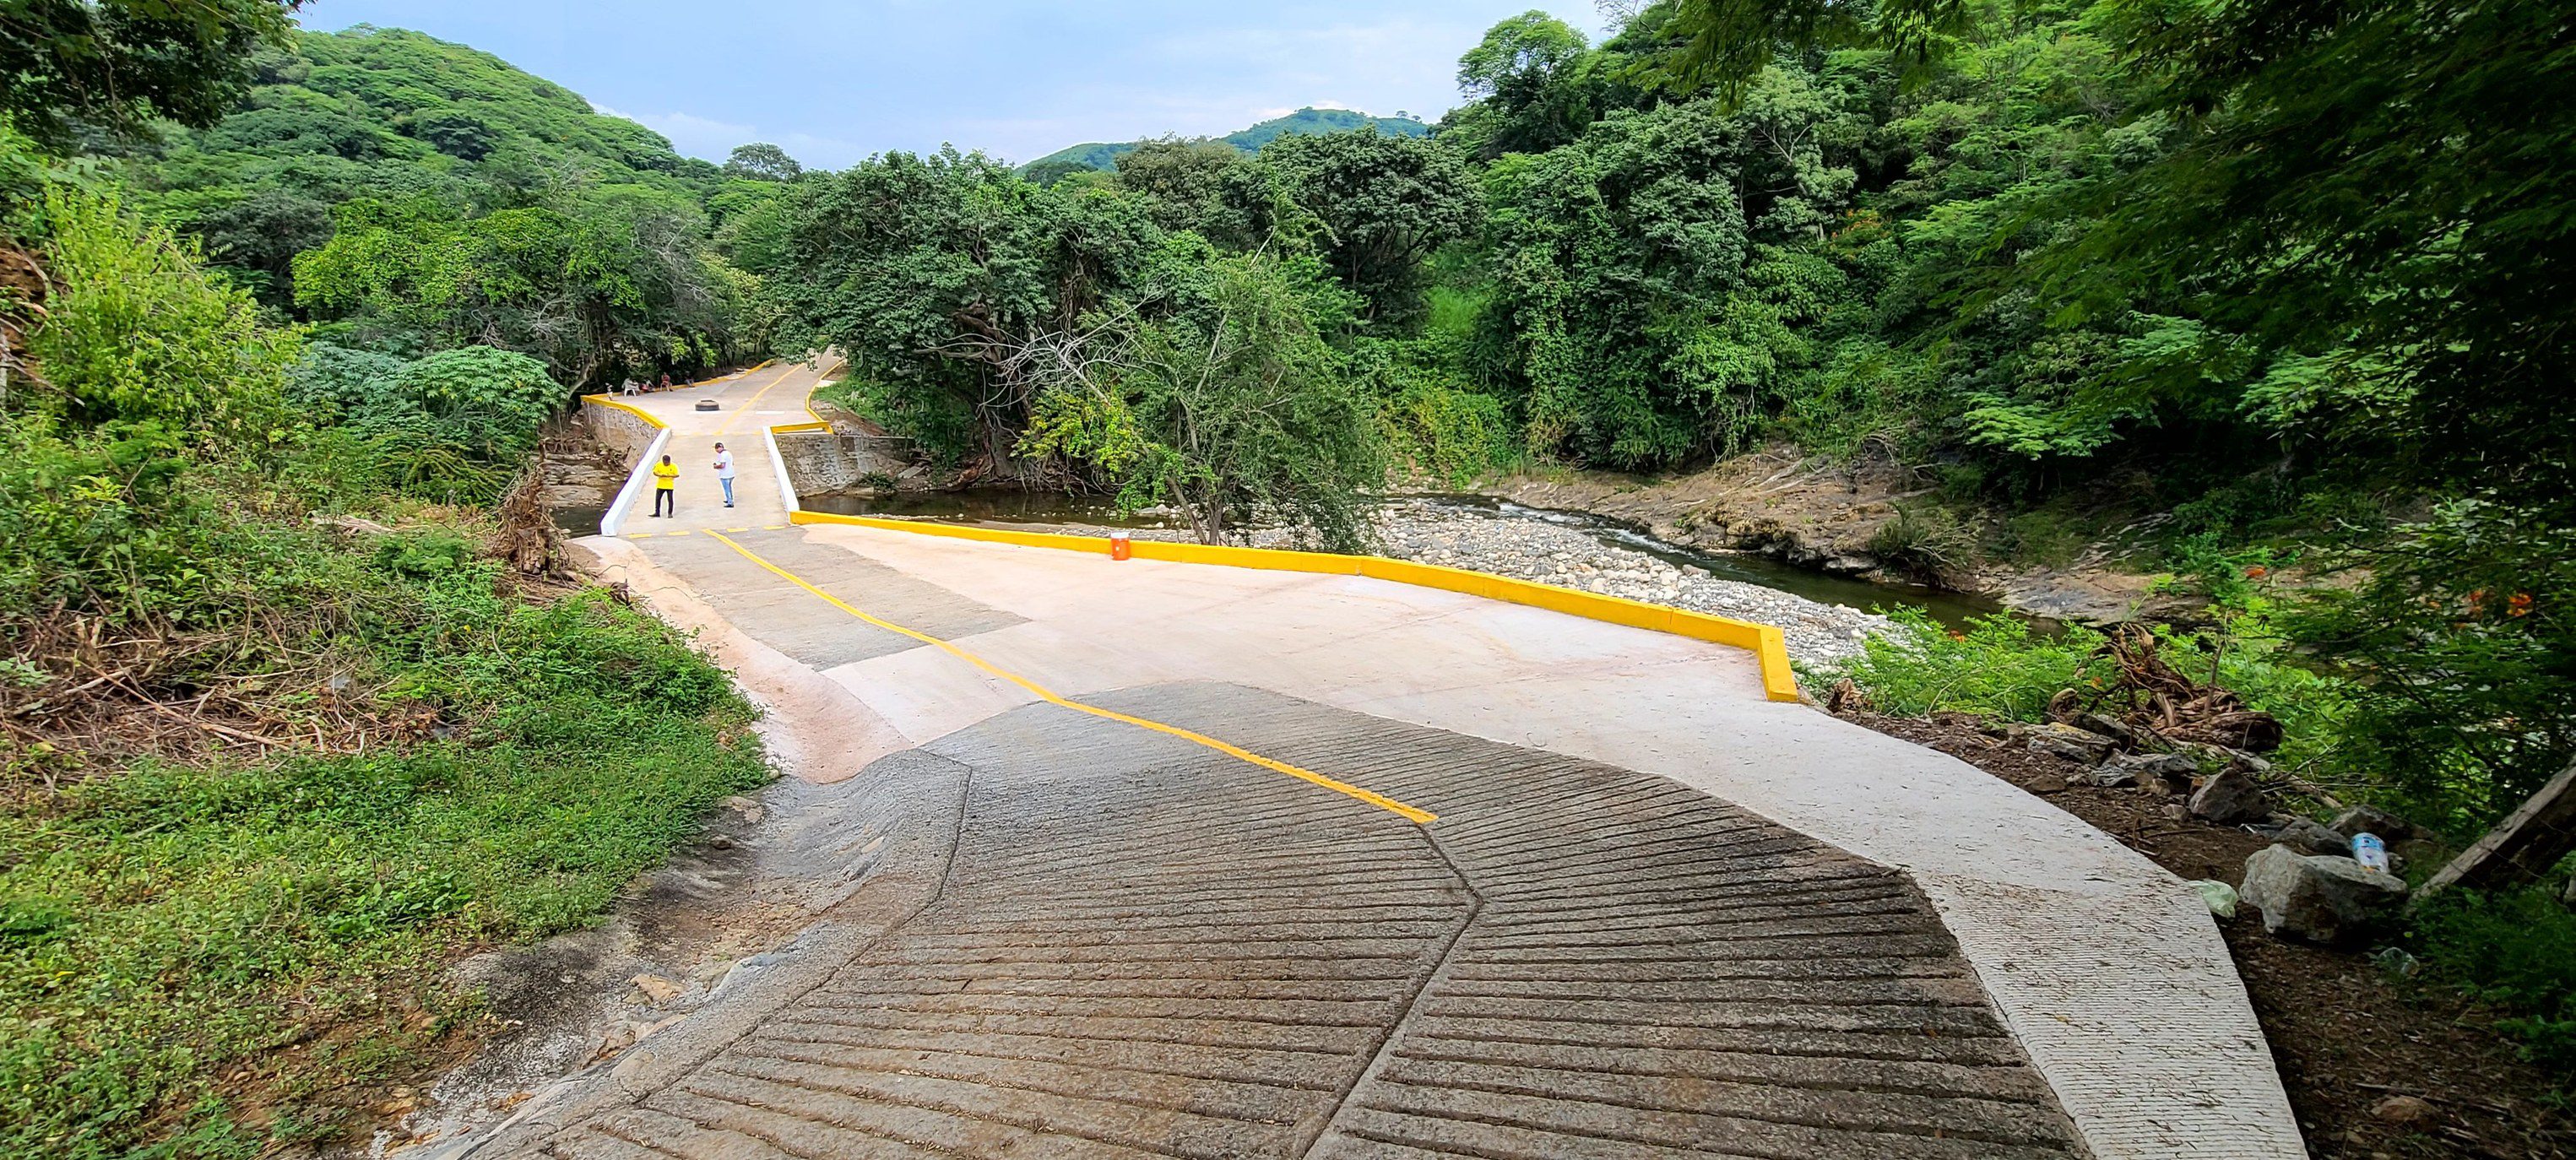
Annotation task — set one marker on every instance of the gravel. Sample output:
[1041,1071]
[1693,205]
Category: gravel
[1530,549]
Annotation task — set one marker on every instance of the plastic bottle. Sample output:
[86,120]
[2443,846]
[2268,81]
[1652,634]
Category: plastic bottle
[2372,853]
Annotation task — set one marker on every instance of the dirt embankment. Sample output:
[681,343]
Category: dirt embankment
[1872,521]
[2376,1068]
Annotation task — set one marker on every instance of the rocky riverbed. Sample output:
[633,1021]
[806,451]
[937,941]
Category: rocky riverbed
[1535,550]
[1484,540]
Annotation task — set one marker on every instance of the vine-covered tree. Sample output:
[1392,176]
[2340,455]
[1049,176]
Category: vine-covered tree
[1378,205]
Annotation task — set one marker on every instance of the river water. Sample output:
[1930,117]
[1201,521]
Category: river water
[1040,509]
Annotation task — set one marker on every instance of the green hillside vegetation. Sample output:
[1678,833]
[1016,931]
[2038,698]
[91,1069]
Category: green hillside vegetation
[404,194]
[1105,157]
[282,735]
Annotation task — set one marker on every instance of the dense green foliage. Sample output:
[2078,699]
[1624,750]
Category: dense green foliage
[409,195]
[1315,122]
[157,926]
[269,768]
[1195,330]
[2267,279]
[113,66]
[1223,398]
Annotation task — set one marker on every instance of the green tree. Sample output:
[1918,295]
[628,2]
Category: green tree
[761,161]
[1223,399]
[931,274]
[139,335]
[1655,311]
[1379,204]
[1184,181]
[118,65]
[1050,171]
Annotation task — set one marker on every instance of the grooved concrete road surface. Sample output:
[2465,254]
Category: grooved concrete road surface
[1139,882]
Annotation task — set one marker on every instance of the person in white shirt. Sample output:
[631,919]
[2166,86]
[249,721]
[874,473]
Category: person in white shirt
[724,472]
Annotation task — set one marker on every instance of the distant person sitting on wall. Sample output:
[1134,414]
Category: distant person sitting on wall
[665,476]
[724,472]
[666,382]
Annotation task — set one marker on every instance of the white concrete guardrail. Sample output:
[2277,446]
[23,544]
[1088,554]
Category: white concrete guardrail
[640,476]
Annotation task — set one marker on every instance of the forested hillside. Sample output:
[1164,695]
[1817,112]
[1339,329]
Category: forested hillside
[1077,158]
[406,194]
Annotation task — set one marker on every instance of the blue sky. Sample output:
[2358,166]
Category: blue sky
[1018,78]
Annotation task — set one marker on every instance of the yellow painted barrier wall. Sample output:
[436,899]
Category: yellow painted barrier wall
[611,401]
[1766,643]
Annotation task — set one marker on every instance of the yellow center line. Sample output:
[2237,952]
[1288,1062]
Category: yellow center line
[1418,816]
[745,409]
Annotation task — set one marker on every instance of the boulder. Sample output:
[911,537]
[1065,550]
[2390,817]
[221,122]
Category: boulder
[2318,897]
[2108,775]
[2312,837]
[2230,798]
[2165,773]
[2372,820]
[2080,746]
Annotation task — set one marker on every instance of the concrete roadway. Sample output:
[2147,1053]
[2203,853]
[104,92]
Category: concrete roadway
[748,403]
[1180,860]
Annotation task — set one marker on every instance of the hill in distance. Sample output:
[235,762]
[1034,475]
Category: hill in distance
[1099,155]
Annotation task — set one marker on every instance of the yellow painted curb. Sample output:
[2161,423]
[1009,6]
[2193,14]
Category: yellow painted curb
[629,408]
[1779,682]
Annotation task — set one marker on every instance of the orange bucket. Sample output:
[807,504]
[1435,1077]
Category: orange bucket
[1119,548]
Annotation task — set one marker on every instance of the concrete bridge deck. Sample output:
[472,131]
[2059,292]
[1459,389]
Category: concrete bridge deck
[1150,875]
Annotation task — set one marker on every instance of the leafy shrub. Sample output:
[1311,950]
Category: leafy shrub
[2000,666]
[452,426]
[101,521]
[137,333]
[1449,431]
[2462,633]
[2514,951]
[333,382]
[1925,541]
[492,402]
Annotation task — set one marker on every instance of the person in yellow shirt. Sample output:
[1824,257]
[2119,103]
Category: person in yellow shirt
[665,474]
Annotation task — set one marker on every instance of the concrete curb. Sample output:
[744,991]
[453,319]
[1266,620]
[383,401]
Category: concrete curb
[1779,681]
[638,475]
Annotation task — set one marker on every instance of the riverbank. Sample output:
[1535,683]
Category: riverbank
[1434,532]
[1868,521]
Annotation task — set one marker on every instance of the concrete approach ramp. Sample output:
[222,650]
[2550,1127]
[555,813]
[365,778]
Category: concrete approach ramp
[1179,860]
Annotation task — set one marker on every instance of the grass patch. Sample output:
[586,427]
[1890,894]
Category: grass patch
[1998,666]
[166,929]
